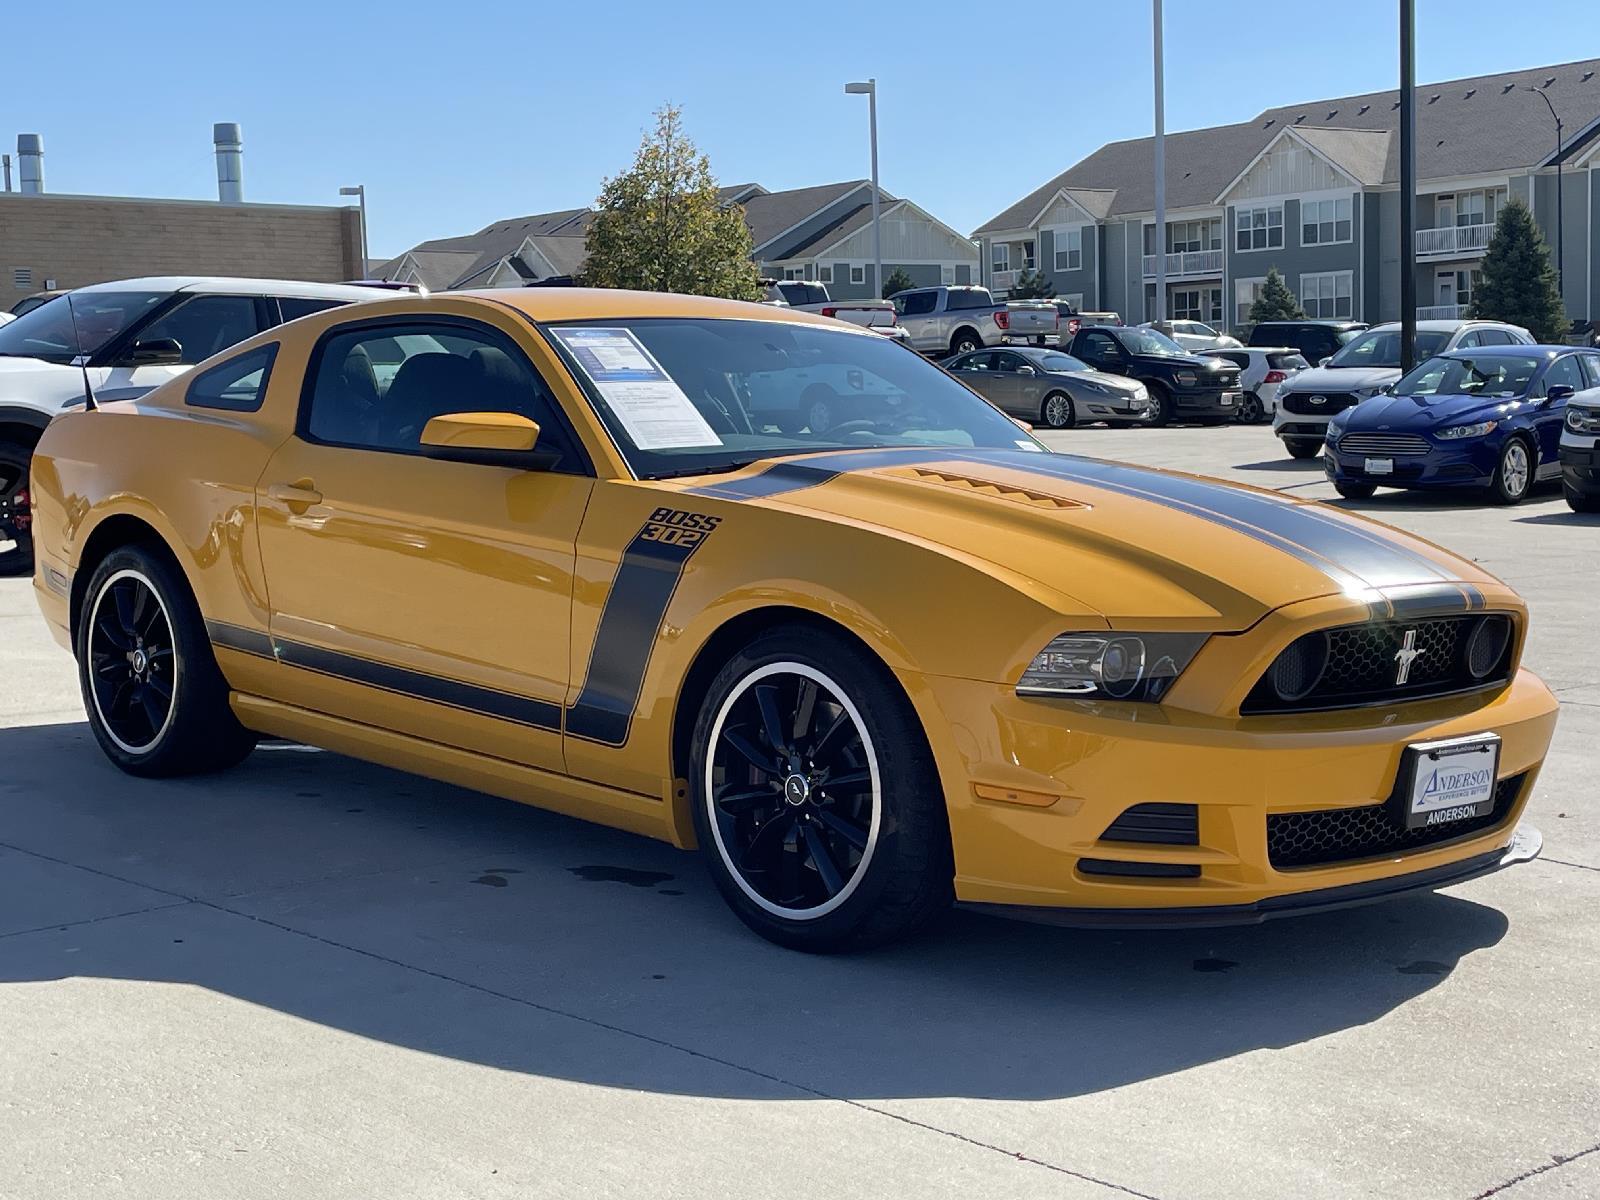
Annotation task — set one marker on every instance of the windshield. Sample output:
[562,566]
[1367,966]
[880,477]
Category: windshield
[48,331]
[1060,362]
[1502,375]
[1148,341]
[1381,348]
[685,396]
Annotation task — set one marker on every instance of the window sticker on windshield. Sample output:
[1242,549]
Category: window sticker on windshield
[1032,446]
[648,401]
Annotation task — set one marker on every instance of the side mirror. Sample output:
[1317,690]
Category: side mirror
[495,439]
[1560,391]
[1026,371]
[156,352]
[1322,362]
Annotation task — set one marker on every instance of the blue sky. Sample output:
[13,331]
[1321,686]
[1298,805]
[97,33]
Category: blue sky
[457,115]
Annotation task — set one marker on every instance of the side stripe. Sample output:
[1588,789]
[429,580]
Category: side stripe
[236,637]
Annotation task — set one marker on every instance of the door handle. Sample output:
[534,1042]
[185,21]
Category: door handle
[299,495]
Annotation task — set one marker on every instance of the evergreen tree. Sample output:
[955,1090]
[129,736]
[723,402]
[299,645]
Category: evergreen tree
[660,226]
[1031,285]
[1276,302]
[1519,281]
[898,281]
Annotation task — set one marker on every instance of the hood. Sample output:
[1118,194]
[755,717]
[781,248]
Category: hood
[1199,360]
[1422,414]
[39,384]
[1342,379]
[1139,546]
[1111,383]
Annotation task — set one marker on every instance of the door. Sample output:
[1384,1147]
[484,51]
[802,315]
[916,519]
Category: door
[1444,212]
[978,372]
[1019,390]
[190,333]
[1101,351]
[1445,286]
[427,597]
[1550,415]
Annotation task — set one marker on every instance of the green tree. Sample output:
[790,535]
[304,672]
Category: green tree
[1031,285]
[898,281]
[1519,281]
[659,226]
[1276,302]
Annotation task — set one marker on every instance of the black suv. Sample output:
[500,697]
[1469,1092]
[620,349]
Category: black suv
[1316,340]
[1183,386]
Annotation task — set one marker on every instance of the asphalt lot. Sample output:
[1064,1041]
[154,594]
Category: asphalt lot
[315,977]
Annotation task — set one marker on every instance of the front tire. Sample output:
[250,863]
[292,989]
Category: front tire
[1161,414]
[1582,502]
[1056,411]
[1356,491]
[815,798]
[156,700]
[1513,475]
[1302,447]
[16,524]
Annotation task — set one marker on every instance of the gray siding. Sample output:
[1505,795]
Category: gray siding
[963,273]
[1373,234]
[922,275]
[1080,282]
[1294,259]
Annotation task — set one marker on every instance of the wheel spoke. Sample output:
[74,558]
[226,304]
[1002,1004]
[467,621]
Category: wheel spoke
[771,719]
[805,709]
[759,759]
[820,748]
[769,841]
[817,849]
[124,606]
[160,687]
[848,778]
[848,830]
[154,712]
[738,802]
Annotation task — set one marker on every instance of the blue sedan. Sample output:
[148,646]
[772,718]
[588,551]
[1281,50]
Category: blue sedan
[1486,417]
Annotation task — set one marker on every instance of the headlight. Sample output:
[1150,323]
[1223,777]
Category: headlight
[1583,420]
[1466,431]
[1184,378]
[1110,666]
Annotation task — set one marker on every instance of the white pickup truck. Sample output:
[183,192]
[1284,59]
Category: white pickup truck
[810,296]
[956,320]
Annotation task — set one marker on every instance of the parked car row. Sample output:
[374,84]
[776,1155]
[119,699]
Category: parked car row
[958,320]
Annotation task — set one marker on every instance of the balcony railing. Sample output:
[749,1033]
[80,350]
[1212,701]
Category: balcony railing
[1186,263]
[1453,239]
[1441,312]
[1001,281]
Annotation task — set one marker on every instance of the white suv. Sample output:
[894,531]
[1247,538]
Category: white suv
[1264,371]
[1366,364]
[127,337]
[1580,444]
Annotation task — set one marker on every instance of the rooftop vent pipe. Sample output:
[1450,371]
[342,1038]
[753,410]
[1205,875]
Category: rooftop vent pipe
[230,162]
[30,162]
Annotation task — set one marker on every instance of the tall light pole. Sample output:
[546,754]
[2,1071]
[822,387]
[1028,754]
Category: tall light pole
[1161,171]
[360,190]
[869,89]
[1408,186]
[1561,225]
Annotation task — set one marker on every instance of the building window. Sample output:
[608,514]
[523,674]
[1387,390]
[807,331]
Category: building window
[825,273]
[858,274]
[1245,294]
[1186,305]
[1027,256]
[794,272]
[1478,208]
[1324,222]
[1189,236]
[947,275]
[1069,249]
[22,277]
[1258,228]
[1327,293]
[1000,256]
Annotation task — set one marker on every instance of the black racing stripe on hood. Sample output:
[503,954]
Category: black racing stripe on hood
[793,475]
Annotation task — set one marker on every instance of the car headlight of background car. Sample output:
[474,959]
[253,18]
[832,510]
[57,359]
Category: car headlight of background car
[1110,666]
[1467,431]
[1185,378]
[1583,420]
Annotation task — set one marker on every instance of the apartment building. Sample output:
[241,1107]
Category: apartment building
[1313,190]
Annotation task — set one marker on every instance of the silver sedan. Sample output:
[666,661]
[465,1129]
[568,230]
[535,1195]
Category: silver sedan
[1044,385]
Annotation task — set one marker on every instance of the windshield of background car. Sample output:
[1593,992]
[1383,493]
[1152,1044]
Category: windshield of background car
[1060,362]
[1381,348]
[1148,341]
[1501,375]
[684,396]
[48,331]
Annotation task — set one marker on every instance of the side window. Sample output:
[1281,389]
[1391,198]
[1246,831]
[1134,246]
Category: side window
[1470,339]
[977,362]
[377,387]
[1010,363]
[1591,368]
[205,326]
[1565,370]
[1495,337]
[237,385]
[917,303]
[292,308]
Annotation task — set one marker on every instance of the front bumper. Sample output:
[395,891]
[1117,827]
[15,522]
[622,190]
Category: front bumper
[1033,784]
[1471,465]
[1206,403]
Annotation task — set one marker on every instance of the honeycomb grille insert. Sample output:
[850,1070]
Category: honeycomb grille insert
[1336,835]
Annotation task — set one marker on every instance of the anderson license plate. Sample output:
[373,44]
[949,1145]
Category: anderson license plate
[1452,780]
[1379,466]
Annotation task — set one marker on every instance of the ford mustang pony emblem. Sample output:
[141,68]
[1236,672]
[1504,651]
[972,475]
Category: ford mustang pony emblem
[1405,656]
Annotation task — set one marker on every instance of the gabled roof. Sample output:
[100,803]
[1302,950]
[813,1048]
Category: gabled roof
[1360,153]
[774,213]
[1482,125]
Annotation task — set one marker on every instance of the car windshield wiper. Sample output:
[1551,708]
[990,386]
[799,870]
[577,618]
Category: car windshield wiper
[713,469]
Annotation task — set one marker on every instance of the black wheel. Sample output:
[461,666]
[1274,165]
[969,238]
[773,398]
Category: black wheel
[964,342]
[1249,412]
[1356,491]
[1161,413]
[1302,447]
[1057,411]
[156,701]
[1581,502]
[816,801]
[16,517]
[1513,477]
[821,408]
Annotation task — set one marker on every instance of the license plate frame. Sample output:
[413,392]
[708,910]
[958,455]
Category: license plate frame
[1444,782]
[1378,466]
[1229,399]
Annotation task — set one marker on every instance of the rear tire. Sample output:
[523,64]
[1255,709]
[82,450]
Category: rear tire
[1302,447]
[1057,411]
[16,517]
[1513,475]
[156,700]
[816,801]
[1250,411]
[965,341]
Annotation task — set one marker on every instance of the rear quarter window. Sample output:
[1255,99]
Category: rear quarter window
[1287,362]
[238,385]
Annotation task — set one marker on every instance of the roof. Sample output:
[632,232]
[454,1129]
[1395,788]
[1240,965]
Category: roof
[609,304]
[228,286]
[1475,126]
[438,269]
[772,213]
[566,252]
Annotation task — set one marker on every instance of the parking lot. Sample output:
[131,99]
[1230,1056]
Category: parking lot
[312,976]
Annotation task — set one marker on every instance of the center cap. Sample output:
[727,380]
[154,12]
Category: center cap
[139,662]
[796,790]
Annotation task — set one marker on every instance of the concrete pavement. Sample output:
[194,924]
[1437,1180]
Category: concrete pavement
[312,976]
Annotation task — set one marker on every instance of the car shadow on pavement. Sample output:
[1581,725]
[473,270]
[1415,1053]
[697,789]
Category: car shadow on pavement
[1560,517]
[1308,466]
[1418,502]
[455,924]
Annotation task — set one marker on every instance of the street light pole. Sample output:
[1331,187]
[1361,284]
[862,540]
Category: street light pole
[1408,186]
[1561,225]
[360,191]
[1160,313]
[870,90]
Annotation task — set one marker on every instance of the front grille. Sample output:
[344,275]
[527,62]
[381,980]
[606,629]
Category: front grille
[1360,664]
[1156,825]
[1332,402]
[1389,445]
[1334,835]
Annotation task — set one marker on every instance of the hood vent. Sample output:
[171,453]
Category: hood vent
[988,487]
